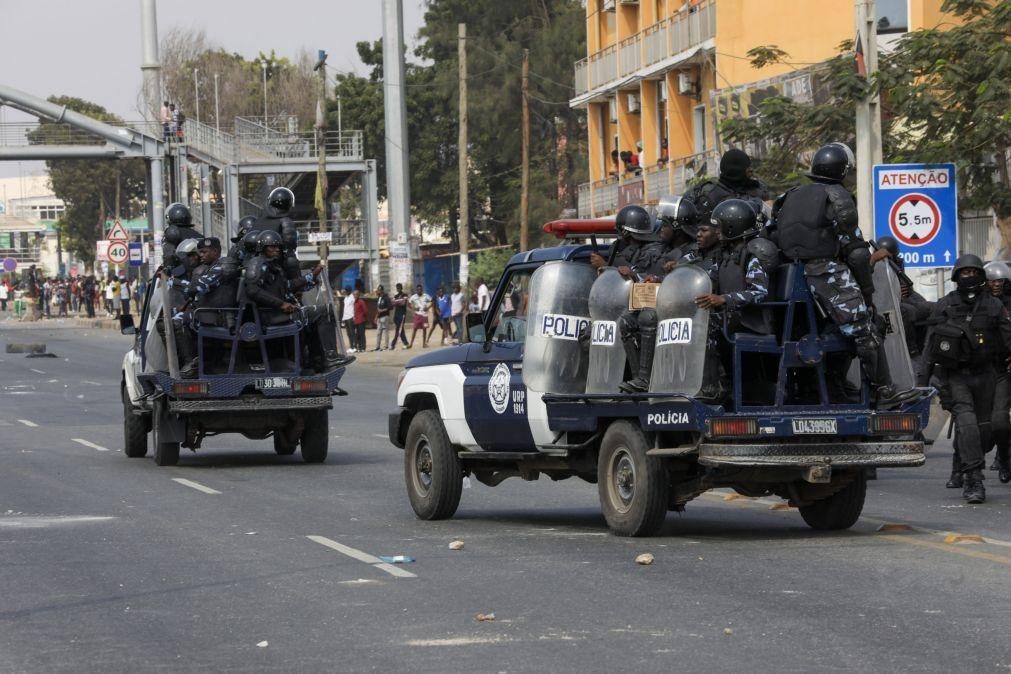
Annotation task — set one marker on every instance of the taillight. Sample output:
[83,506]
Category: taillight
[895,423]
[729,426]
[190,388]
[309,386]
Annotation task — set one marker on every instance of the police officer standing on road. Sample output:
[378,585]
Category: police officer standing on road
[969,338]
[736,182]
[998,275]
[636,254]
[817,224]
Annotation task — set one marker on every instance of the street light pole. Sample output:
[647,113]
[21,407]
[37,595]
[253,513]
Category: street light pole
[217,117]
[868,117]
[196,92]
[263,64]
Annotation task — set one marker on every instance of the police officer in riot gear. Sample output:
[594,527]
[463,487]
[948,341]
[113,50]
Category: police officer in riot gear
[913,307]
[245,226]
[817,224]
[736,181]
[267,285]
[178,227]
[178,277]
[678,221]
[998,275]
[215,284]
[968,341]
[635,254]
[280,204]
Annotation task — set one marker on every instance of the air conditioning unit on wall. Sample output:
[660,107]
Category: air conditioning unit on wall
[607,5]
[661,91]
[686,84]
[634,105]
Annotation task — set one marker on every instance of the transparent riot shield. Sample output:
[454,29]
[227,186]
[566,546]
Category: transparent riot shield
[887,299]
[557,311]
[608,300]
[155,356]
[682,331]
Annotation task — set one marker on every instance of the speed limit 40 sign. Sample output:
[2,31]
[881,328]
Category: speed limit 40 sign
[918,205]
[118,252]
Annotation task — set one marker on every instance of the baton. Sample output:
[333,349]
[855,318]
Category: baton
[593,242]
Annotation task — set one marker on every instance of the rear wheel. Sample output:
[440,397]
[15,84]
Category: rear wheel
[632,486]
[165,453]
[431,468]
[134,431]
[841,510]
[315,437]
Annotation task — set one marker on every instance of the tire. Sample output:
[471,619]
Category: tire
[281,446]
[134,431]
[632,486]
[841,510]
[165,453]
[315,436]
[432,469]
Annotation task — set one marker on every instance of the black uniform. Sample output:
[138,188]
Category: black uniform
[966,345]
[1000,423]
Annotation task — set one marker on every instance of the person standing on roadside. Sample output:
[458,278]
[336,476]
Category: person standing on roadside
[383,308]
[124,297]
[348,317]
[361,311]
[399,318]
[5,291]
[420,301]
[441,312]
[483,296]
[457,300]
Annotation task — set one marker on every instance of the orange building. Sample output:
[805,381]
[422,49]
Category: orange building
[660,74]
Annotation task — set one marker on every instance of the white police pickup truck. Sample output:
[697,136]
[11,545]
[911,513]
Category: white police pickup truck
[527,396]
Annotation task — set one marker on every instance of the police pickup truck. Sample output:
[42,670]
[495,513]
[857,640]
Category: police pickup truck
[250,380]
[526,397]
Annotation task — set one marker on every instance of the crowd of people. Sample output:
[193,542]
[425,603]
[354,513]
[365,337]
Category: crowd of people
[77,295]
[171,118]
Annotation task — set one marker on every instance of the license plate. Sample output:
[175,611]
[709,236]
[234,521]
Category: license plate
[273,383]
[815,427]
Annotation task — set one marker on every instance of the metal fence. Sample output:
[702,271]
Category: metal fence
[344,233]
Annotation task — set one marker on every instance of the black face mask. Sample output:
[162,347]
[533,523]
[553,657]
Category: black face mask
[969,287]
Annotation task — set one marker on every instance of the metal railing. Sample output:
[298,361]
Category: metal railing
[344,233]
[601,197]
[664,39]
[209,141]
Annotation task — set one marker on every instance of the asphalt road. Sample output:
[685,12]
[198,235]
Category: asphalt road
[238,559]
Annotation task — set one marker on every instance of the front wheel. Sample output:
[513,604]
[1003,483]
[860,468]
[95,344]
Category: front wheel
[632,486]
[315,437]
[841,510]
[432,469]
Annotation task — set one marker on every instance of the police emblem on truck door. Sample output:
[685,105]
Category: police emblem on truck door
[498,388]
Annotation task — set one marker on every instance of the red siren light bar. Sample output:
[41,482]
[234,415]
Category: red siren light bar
[581,229]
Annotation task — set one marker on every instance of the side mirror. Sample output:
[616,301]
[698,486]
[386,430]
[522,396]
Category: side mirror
[126,326]
[475,327]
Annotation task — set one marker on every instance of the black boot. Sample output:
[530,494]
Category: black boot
[647,346]
[628,342]
[1003,465]
[974,492]
[875,368]
[188,366]
[956,480]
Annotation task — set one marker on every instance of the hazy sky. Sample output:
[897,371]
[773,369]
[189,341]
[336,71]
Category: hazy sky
[91,48]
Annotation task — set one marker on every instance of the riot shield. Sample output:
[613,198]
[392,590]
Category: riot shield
[608,300]
[558,309]
[887,298]
[682,332]
[155,356]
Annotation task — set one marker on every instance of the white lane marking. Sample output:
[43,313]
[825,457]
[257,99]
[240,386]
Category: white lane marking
[30,424]
[195,485]
[41,521]
[93,383]
[354,553]
[92,445]
[36,371]
[384,436]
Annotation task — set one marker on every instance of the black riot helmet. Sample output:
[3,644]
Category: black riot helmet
[735,218]
[634,220]
[177,214]
[267,238]
[970,286]
[890,244]
[281,199]
[245,225]
[679,213]
[249,241]
[831,163]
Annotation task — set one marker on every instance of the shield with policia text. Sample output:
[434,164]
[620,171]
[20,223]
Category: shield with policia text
[608,300]
[558,309]
[682,331]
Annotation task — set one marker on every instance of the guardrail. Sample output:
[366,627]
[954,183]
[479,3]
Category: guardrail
[343,233]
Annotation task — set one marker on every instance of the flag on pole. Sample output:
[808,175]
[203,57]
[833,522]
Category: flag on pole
[861,64]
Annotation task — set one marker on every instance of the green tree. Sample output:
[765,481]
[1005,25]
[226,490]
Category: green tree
[89,186]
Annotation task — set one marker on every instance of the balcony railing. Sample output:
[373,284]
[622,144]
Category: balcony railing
[602,196]
[662,40]
[344,233]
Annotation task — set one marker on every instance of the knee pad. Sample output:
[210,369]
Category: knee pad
[647,319]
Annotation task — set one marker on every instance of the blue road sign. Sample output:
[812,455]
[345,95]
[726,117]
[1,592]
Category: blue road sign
[918,205]
[136,254]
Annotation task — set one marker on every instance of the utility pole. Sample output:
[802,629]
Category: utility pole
[463,229]
[322,188]
[395,108]
[217,116]
[525,169]
[263,65]
[868,117]
[196,92]
[151,69]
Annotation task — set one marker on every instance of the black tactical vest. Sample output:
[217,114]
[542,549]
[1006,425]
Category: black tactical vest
[732,273]
[804,231]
